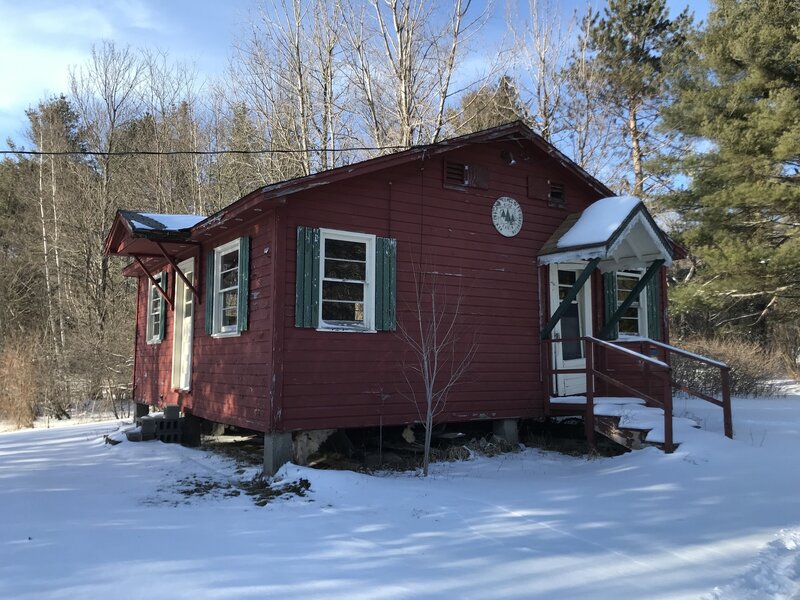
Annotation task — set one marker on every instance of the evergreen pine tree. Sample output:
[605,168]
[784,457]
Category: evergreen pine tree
[635,47]
[487,107]
[739,105]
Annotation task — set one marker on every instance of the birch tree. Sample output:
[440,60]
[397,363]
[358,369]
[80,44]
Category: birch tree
[541,46]
[404,94]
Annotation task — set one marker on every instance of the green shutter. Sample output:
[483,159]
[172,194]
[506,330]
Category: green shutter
[163,306]
[654,312]
[244,283]
[210,292]
[385,284]
[307,278]
[610,301]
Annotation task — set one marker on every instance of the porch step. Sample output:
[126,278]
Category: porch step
[626,421]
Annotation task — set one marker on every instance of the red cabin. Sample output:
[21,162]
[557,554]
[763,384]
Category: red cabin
[281,312]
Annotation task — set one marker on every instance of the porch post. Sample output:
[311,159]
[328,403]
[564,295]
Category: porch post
[589,418]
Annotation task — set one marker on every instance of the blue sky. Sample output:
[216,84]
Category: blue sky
[41,39]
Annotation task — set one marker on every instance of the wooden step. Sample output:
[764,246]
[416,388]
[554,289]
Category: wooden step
[629,437]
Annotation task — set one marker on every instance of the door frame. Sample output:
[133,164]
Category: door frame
[187,267]
[570,384]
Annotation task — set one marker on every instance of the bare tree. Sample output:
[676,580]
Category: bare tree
[439,356]
[405,58]
[594,141]
[541,44]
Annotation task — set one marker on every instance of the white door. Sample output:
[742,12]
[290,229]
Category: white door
[182,335]
[576,322]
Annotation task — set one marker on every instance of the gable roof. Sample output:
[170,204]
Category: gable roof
[514,131]
[132,230]
[618,230]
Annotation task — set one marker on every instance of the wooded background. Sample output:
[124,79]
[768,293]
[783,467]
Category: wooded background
[701,120]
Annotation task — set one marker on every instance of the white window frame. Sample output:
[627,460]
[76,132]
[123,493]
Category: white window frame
[228,330]
[154,297]
[369,283]
[640,305]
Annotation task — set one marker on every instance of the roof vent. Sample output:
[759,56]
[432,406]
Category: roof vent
[557,197]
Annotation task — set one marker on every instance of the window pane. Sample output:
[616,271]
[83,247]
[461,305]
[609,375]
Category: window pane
[228,317]
[332,290]
[230,279]
[343,311]
[229,261]
[629,326]
[570,328]
[343,249]
[339,269]
[567,277]
[230,299]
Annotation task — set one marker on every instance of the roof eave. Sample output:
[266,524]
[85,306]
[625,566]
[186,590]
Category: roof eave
[278,191]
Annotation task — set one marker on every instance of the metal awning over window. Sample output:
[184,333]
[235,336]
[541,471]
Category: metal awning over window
[151,239]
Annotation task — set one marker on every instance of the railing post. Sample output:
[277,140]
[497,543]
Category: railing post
[589,418]
[727,417]
[669,445]
[547,384]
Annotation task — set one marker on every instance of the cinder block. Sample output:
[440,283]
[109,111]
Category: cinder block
[134,436]
[147,425]
[172,411]
[170,438]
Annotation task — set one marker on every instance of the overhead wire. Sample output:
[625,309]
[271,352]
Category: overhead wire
[203,152]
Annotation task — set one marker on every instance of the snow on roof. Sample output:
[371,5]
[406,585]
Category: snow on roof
[159,222]
[599,221]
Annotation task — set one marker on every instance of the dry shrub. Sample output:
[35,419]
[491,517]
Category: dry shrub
[18,383]
[786,338]
[754,369]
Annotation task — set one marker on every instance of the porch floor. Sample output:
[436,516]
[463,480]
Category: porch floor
[624,419]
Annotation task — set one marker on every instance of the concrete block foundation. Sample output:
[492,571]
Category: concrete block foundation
[508,430]
[278,450]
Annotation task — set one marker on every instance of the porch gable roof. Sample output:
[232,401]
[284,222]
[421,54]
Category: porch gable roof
[618,230]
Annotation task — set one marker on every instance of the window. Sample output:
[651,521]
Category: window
[155,310]
[227,288]
[634,320]
[345,281]
[347,273]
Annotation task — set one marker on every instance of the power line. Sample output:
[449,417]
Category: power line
[204,152]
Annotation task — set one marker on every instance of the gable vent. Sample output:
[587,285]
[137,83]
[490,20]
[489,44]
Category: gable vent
[461,175]
[557,196]
[456,173]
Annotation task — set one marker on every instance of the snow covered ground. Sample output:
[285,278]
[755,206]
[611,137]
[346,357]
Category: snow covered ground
[716,519]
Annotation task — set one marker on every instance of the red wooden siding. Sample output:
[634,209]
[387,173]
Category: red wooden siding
[334,379]
[275,376]
[231,376]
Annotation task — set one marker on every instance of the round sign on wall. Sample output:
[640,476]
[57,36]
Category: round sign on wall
[507,216]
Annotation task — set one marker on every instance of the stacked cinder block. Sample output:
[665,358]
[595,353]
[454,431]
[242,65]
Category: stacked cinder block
[147,426]
[168,427]
[165,427]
